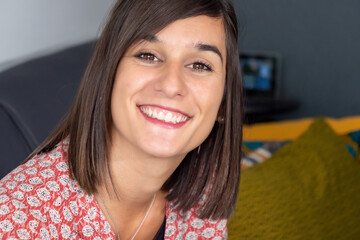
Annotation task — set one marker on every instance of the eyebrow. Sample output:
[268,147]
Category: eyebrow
[211,48]
[199,46]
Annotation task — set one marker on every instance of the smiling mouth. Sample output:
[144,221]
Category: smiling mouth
[164,115]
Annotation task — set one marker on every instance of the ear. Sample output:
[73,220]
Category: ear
[221,113]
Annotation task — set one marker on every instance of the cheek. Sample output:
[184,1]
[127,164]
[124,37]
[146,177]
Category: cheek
[209,97]
[128,79]
[126,89]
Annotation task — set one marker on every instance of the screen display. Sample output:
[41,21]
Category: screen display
[259,74]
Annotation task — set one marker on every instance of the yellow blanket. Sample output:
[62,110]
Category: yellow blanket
[290,130]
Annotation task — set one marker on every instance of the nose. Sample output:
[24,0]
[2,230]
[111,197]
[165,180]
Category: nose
[171,81]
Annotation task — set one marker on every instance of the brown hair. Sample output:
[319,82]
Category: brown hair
[215,168]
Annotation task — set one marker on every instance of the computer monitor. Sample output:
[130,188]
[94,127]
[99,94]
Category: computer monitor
[260,74]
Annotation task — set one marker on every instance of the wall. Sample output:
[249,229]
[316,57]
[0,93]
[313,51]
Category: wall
[34,27]
[320,44]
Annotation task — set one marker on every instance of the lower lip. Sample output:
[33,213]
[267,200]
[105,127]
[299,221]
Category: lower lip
[162,123]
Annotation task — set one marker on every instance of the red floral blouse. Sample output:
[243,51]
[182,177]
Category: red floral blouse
[39,200]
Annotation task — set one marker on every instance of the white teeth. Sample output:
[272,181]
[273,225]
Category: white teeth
[173,120]
[161,116]
[169,117]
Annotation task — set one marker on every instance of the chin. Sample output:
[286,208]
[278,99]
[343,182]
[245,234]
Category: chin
[164,152]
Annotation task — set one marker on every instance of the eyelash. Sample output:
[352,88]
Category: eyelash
[206,67]
[142,57]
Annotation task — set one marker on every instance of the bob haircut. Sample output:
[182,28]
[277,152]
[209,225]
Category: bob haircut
[211,171]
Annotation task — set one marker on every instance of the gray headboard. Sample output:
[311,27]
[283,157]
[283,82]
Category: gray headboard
[34,96]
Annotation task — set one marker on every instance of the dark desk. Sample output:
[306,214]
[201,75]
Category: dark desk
[265,110]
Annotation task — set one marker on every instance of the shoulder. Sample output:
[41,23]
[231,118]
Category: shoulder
[31,195]
[40,171]
[188,225]
[39,199]
[43,170]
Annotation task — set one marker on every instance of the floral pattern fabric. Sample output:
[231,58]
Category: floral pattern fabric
[39,200]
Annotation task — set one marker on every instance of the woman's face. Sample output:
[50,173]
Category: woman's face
[168,89]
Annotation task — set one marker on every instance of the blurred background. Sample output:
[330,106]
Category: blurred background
[319,42]
[31,28]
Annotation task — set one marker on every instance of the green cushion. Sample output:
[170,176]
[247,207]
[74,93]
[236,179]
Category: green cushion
[309,189]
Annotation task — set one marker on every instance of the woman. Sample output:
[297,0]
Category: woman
[151,146]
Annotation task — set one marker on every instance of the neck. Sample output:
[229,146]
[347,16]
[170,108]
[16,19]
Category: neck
[136,179]
[137,176]
[141,222]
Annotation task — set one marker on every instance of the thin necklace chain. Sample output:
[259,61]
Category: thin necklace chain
[113,222]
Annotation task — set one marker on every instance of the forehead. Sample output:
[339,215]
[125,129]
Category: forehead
[196,29]
[190,32]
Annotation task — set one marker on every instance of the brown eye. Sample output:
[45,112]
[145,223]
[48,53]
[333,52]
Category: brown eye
[149,57]
[198,66]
